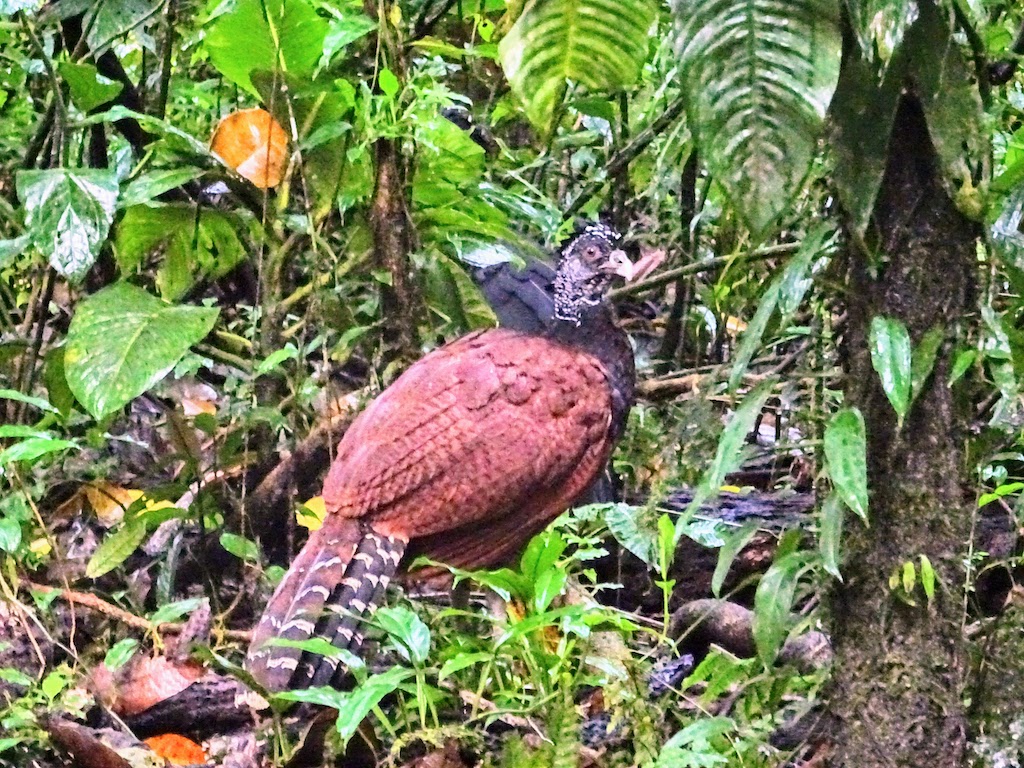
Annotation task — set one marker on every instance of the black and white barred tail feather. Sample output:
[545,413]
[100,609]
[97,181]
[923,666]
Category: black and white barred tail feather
[338,577]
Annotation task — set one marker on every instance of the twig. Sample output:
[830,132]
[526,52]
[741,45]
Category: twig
[429,16]
[58,94]
[99,605]
[626,155]
[669,275]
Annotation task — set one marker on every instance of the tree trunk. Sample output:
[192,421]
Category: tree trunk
[899,674]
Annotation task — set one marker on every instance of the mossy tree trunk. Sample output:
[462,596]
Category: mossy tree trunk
[896,693]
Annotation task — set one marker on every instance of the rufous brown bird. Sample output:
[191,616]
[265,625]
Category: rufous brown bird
[473,450]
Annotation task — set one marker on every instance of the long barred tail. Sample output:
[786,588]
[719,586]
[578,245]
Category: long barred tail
[338,578]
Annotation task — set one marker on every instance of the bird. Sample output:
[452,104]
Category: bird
[473,450]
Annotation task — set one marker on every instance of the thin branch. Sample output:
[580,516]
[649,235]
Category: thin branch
[627,154]
[90,601]
[669,275]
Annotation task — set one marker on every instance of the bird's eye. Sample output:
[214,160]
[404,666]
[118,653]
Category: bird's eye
[592,252]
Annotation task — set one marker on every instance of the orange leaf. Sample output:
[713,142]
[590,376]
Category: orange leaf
[177,750]
[253,143]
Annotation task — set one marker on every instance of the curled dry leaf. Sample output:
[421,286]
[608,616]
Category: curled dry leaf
[252,143]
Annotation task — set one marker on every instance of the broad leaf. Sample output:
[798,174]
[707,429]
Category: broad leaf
[68,213]
[601,44]
[194,245]
[116,548]
[891,359]
[123,340]
[923,360]
[830,534]
[773,605]
[407,630]
[759,75]
[241,40]
[947,87]
[846,459]
[862,114]
[89,89]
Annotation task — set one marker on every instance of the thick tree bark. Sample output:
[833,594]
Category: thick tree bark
[899,673]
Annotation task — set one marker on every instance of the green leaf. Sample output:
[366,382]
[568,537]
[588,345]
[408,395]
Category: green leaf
[174,611]
[601,44]
[927,577]
[909,577]
[891,359]
[263,35]
[541,554]
[548,585]
[38,402]
[634,531]
[68,213]
[116,548]
[733,545]
[773,605]
[10,534]
[862,115]
[846,459]
[122,341]
[120,653]
[411,635]
[89,89]
[963,362]
[357,704]
[347,26]
[33,448]
[388,83]
[462,661]
[830,533]
[759,75]
[241,547]
[923,360]
[730,451]
[151,185]
[193,244]
[948,90]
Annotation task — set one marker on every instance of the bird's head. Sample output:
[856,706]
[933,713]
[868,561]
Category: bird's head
[590,263]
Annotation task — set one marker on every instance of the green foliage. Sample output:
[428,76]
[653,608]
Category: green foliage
[600,44]
[846,459]
[68,213]
[278,36]
[891,359]
[123,340]
[759,76]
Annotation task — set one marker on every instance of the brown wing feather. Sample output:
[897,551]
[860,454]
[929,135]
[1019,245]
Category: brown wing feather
[476,431]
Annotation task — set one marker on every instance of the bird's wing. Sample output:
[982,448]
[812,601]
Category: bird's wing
[470,433]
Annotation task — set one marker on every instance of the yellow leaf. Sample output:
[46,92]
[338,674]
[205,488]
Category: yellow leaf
[110,501]
[40,547]
[311,514]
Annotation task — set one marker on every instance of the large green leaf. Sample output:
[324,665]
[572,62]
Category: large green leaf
[251,35]
[862,114]
[947,87]
[759,75]
[601,44]
[194,244]
[68,213]
[122,341]
[846,459]
[89,89]
[891,357]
